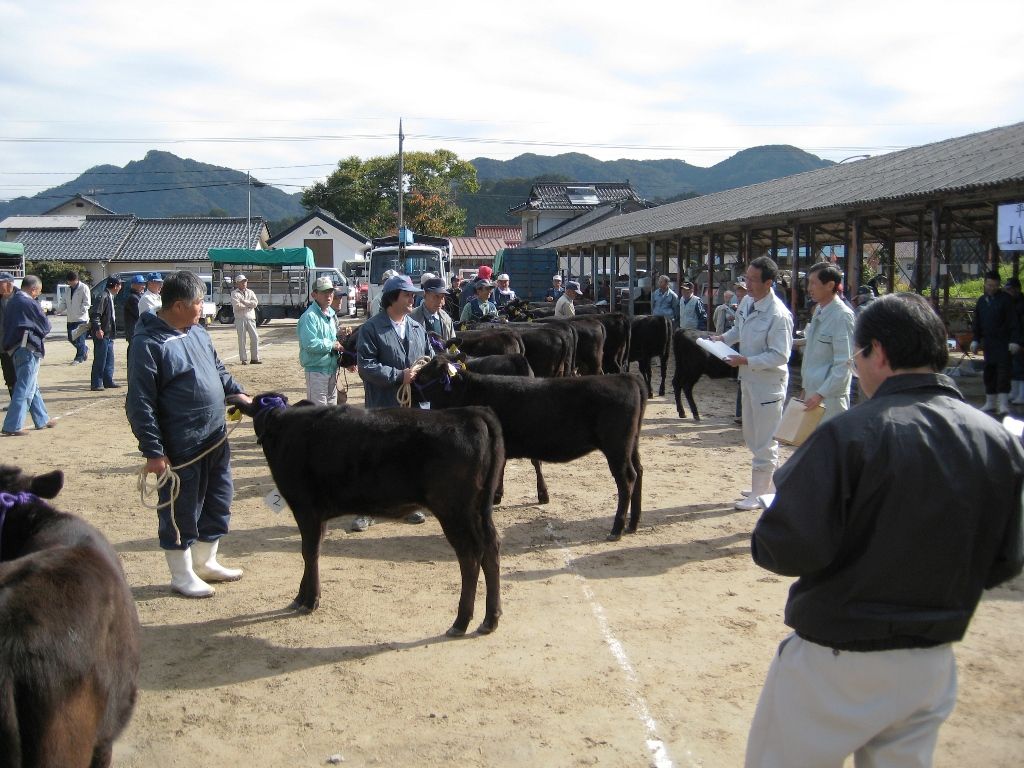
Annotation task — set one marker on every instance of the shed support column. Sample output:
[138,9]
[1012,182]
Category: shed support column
[775,244]
[919,256]
[711,267]
[855,261]
[613,272]
[795,263]
[632,277]
[933,282]
[593,274]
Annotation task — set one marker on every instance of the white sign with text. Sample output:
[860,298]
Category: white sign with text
[1010,227]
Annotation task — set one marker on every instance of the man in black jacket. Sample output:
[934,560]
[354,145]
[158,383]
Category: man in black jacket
[103,325]
[895,516]
[997,331]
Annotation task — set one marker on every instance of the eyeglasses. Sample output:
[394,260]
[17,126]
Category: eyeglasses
[852,362]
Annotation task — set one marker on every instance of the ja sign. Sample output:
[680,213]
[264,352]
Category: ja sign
[1010,227]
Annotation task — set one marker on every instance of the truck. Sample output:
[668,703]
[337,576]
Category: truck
[281,278]
[529,269]
[12,259]
[424,254]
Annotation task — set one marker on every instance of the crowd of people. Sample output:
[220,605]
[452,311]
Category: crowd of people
[886,514]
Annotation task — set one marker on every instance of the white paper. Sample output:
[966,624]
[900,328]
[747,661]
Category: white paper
[719,349]
[275,501]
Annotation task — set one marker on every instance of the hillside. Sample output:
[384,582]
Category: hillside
[163,184]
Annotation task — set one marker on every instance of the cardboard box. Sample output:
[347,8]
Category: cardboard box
[797,424]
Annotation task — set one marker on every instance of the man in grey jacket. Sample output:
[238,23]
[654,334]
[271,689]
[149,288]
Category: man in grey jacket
[430,313]
[177,389]
[77,304]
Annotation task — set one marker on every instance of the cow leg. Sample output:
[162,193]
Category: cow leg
[492,578]
[499,492]
[677,390]
[469,566]
[625,477]
[688,389]
[542,487]
[663,360]
[312,532]
[635,498]
[102,756]
[645,371]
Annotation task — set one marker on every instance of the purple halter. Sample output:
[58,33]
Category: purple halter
[7,502]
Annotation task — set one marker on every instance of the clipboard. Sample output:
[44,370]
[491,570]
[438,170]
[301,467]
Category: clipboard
[797,424]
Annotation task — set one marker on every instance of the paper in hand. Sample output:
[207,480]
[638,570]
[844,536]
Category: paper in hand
[719,349]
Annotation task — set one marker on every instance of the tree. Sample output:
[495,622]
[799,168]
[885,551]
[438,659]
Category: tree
[364,193]
[53,272]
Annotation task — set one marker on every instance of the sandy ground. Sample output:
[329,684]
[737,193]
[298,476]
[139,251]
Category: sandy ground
[649,651]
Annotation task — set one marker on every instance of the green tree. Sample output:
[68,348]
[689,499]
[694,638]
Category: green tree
[53,272]
[364,193]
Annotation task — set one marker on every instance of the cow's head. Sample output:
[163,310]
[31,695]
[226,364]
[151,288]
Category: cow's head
[436,378]
[45,486]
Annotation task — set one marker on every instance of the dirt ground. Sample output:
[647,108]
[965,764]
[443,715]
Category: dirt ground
[648,651]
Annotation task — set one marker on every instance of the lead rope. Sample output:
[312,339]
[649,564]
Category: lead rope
[170,477]
[405,390]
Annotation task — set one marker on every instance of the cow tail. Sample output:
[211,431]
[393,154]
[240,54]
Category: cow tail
[10,735]
[496,468]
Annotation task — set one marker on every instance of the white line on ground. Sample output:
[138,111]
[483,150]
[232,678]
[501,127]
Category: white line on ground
[657,748]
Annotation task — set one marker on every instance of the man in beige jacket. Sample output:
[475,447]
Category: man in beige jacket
[244,303]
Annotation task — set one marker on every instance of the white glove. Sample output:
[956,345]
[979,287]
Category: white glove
[974,347]
[1014,348]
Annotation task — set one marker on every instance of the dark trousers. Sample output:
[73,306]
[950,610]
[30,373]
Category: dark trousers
[202,510]
[81,350]
[7,363]
[102,362]
[996,376]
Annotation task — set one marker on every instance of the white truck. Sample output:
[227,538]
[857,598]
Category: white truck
[425,254]
[281,278]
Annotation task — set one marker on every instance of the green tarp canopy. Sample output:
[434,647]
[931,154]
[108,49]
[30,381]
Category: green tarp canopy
[273,257]
[17,249]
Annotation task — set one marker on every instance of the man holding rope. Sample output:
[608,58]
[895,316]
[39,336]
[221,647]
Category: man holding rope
[176,396]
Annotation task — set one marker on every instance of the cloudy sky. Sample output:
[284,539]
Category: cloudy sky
[287,89]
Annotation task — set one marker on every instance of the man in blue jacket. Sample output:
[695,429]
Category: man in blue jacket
[177,389]
[25,329]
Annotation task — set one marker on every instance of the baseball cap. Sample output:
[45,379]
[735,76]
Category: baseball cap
[502,276]
[323,284]
[240,278]
[484,271]
[139,279]
[433,285]
[686,284]
[6,277]
[557,277]
[483,282]
[154,277]
[400,283]
[113,280]
[572,285]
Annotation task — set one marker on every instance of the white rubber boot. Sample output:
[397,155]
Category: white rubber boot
[1004,402]
[183,579]
[990,404]
[760,481]
[207,567]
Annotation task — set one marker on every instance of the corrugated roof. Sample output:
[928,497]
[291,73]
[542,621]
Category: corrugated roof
[476,247]
[955,165]
[555,197]
[125,238]
[512,235]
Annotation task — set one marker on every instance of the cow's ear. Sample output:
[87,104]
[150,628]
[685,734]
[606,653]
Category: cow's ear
[47,486]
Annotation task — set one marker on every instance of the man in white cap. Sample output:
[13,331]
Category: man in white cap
[150,300]
[318,345]
[554,293]
[244,303]
[503,294]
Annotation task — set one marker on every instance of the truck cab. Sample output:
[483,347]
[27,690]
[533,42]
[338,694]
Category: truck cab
[427,254]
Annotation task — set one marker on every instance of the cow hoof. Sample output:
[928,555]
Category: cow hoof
[487,626]
[302,607]
[456,632]
[631,529]
[614,536]
[497,499]
[542,499]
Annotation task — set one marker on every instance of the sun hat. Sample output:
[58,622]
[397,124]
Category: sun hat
[6,277]
[557,277]
[483,282]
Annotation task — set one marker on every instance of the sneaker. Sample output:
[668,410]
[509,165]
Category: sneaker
[257,362]
[77,362]
[415,518]
[49,425]
[18,433]
[112,386]
[361,523]
[96,389]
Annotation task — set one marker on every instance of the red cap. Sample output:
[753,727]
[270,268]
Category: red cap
[484,271]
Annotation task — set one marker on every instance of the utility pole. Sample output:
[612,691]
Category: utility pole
[248,209]
[401,195]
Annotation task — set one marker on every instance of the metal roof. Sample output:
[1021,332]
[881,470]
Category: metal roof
[510,233]
[555,197]
[125,238]
[476,247]
[953,166]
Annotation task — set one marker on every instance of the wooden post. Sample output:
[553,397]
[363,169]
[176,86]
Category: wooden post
[775,244]
[919,255]
[933,282]
[631,279]
[711,267]
[948,247]
[795,264]
[613,272]
[856,257]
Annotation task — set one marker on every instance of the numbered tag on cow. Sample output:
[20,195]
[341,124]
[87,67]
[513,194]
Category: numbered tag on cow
[275,501]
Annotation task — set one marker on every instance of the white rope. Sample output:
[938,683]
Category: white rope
[405,390]
[170,477]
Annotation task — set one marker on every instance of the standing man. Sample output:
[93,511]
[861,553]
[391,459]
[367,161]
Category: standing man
[503,294]
[104,329]
[894,516]
[150,300]
[244,303]
[6,362]
[765,333]
[1012,287]
[480,308]
[25,330]
[665,302]
[131,306]
[430,313]
[564,307]
[318,345]
[77,306]
[468,290]
[554,293]
[693,316]
[724,316]
[998,333]
[177,389]
[825,371]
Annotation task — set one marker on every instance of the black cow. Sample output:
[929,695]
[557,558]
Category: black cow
[616,344]
[650,336]
[556,420]
[491,341]
[334,460]
[591,335]
[69,633]
[692,362]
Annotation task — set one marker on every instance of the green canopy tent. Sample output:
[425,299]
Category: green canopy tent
[288,257]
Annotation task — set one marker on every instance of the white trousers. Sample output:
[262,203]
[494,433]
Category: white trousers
[322,388]
[763,400]
[819,706]
[245,328]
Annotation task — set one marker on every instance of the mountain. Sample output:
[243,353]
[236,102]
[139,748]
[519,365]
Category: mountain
[504,183]
[163,184]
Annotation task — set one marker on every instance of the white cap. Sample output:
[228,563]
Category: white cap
[426,276]
[503,276]
[557,277]
[240,278]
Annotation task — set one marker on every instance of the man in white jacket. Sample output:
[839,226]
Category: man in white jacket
[764,329]
[77,305]
[150,299]
[825,371]
[244,303]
